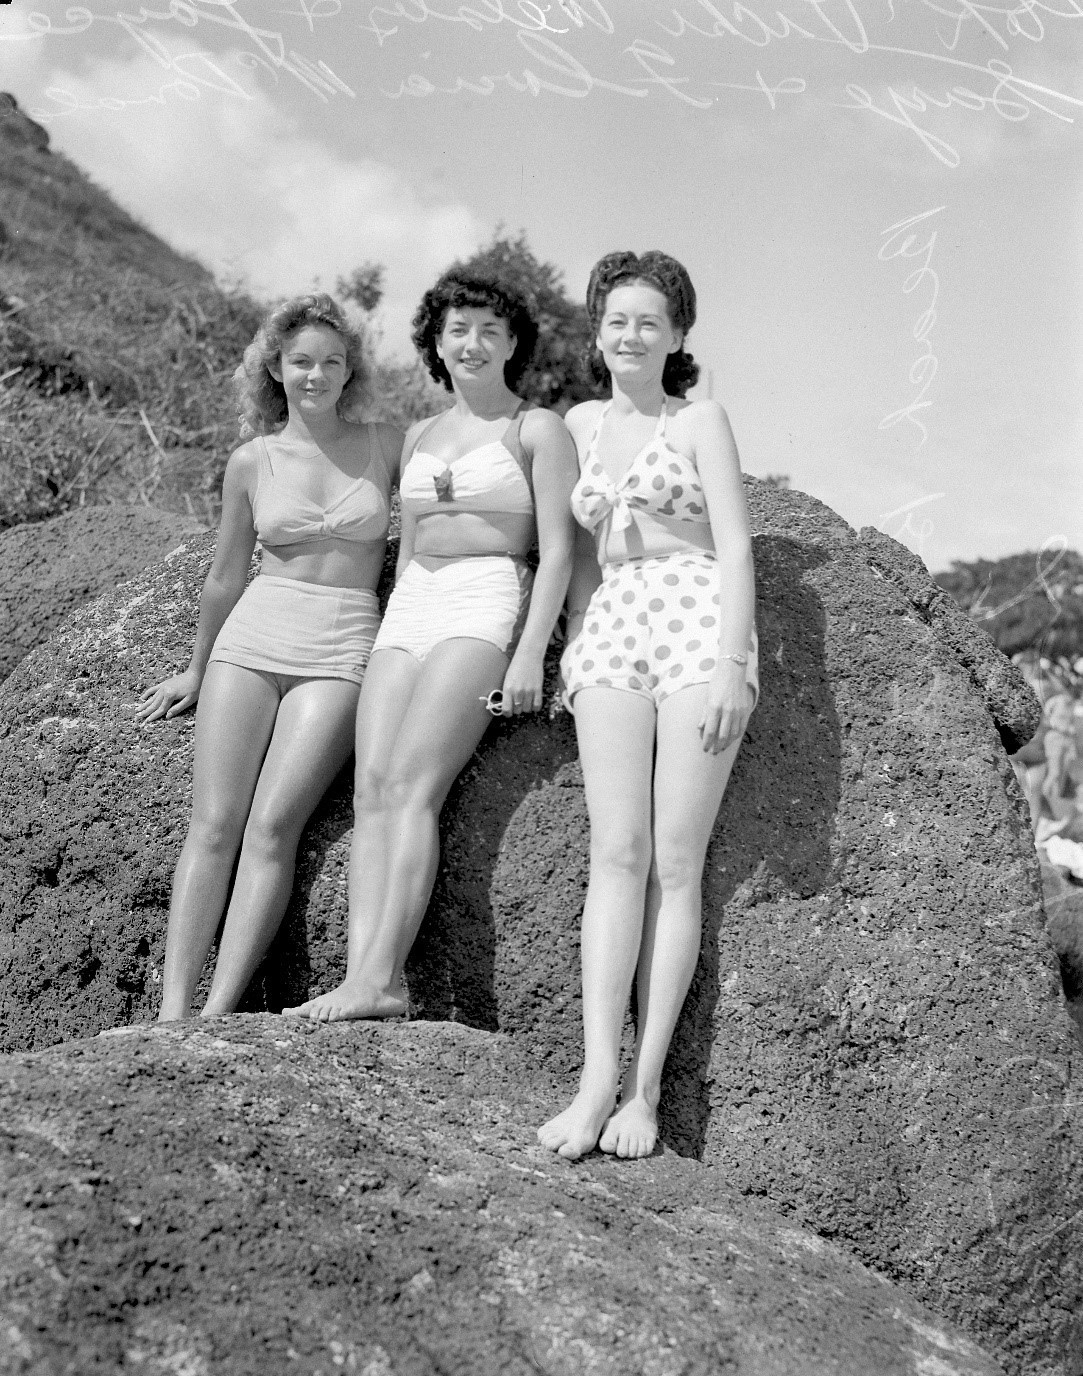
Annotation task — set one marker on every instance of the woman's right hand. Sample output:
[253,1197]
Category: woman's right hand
[170,697]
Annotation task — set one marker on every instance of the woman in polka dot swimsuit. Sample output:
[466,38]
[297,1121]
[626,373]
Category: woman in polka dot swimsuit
[661,673]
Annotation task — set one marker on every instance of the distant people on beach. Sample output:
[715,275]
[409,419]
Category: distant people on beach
[466,629]
[1049,766]
[661,671]
[277,667]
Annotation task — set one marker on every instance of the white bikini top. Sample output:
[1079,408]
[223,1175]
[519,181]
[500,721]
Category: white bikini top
[285,516]
[493,477]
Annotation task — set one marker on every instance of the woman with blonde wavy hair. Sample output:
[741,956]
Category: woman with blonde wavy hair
[277,665]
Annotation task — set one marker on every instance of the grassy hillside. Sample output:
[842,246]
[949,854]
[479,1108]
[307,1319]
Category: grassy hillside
[116,351]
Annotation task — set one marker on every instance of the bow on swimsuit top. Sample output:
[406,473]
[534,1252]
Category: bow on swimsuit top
[285,516]
[660,481]
[492,477]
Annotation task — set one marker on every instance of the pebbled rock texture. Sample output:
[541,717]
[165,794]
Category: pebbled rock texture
[876,1040]
[49,568]
[255,1196]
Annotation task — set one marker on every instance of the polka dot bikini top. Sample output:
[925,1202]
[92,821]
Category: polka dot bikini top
[660,481]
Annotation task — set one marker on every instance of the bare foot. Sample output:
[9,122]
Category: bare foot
[575,1131]
[632,1130]
[168,1015]
[350,1001]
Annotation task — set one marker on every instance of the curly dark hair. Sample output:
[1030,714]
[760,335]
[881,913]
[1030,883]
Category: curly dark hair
[261,396]
[666,275]
[459,288]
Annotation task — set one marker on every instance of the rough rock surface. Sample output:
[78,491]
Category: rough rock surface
[49,568]
[876,1041]
[252,1196]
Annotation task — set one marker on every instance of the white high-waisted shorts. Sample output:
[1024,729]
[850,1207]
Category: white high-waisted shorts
[652,628]
[284,626]
[482,597]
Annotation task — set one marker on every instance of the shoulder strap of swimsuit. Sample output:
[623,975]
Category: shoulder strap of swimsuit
[263,456]
[592,447]
[376,450]
[512,441]
[425,430]
[663,416]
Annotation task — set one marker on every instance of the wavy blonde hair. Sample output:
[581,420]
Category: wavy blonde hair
[260,395]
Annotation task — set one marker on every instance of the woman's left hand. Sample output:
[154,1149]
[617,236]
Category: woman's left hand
[522,687]
[729,706]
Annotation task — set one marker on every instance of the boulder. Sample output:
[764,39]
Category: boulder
[876,1040]
[254,1196]
[49,568]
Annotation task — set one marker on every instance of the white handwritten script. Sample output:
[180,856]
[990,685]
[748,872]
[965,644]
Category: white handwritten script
[903,527]
[578,48]
[905,240]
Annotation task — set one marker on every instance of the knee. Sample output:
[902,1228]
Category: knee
[370,789]
[272,832]
[215,832]
[677,865]
[625,853]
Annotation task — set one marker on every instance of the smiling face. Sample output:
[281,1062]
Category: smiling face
[634,334]
[474,344]
[312,369]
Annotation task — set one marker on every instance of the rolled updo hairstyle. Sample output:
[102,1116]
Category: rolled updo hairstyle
[261,396]
[666,275]
[459,288]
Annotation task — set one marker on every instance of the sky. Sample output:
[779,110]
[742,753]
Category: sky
[880,202]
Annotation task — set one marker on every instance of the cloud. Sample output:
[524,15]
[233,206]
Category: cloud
[232,180]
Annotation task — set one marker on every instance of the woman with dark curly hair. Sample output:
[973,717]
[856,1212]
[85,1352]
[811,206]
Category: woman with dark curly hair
[660,670]
[464,633]
[277,667]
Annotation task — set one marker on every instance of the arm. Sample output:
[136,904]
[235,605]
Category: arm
[586,576]
[586,572]
[408,526]
[715,451]
[223,586]
[555,472]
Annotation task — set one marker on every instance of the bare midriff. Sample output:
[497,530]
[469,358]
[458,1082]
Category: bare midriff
[331,563]
[650,536]
[444,535]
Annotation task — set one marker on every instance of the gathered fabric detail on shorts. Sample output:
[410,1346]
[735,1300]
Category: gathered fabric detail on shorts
[652,628]
[285,626]
[480,597]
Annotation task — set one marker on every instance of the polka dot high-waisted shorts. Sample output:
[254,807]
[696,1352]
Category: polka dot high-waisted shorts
[652,628]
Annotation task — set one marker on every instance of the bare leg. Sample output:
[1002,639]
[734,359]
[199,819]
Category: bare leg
[234,721]
[688,788]
[385,700]
[615,731]
[311,741]
[400,801]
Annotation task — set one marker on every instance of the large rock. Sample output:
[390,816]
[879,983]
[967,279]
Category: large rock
[49,568]
[876,1040]
[256,1196]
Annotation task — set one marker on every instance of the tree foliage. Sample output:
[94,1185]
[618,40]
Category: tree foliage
[364,286]
[558,375]
[1025,601]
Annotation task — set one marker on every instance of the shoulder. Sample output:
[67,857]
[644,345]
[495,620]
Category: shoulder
[541,425]
[242,466]
[699,412]
[388,439]
[414,433]
[387,432]
[582,418]
[705,426]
